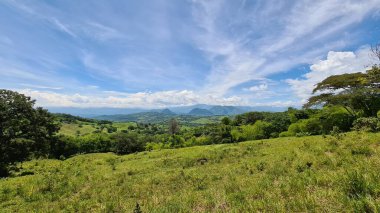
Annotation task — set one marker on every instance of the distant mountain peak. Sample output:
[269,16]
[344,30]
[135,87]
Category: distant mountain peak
[225,110]
[167,111]
[200,112]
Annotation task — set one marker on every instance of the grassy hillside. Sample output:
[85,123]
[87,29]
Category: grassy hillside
[161,118]
[312,173]
[84,128]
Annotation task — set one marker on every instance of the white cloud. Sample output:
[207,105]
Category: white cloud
[41,86]
[277,104]
[128,100]
[258,88]
[101,32]
[62,27]
[301,32]
[336,63]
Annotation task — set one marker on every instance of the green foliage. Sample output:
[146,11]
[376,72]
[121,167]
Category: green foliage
[226,121]
[24,130]
[357,185]
[111,129]
[335,116]
[285,134]
[358,93]
[371,124]
[65,146]
[312,126]
[277,175]
[176,141]
[260,130]
[127,143]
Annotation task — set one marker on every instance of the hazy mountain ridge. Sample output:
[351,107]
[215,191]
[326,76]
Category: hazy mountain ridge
[181,110]
[200,112]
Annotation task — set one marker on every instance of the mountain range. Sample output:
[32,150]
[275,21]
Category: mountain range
[194,110]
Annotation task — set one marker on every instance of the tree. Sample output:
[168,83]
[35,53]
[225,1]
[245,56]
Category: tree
[358,93]
[127,143]
[24,130]
[375,49]
[226,121]
[173,126]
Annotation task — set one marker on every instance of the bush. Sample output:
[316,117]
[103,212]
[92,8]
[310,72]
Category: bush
[294,129]
[64,146]
[369,124]
[93,143]
[176,141]
[335,116]
[237,135]
[311,125]
[260,130]
[285,134]
[127,143]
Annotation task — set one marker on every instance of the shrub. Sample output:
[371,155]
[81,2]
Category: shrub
[294,129]
[335,132]
[237,135]
[127,143]
[260,130]
[335,116]
[285,134]
[311,125]
[176,141]
[95,143]
[369,124]
[65,146]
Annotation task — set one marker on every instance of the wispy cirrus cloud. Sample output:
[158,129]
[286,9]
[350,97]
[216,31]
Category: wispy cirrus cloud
[220,52]
[301,32]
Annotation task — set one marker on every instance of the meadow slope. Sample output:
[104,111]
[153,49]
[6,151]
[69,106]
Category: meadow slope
[313,173]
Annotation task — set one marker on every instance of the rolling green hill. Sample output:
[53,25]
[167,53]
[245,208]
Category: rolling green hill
[161,118]
[315,173]
[200,112]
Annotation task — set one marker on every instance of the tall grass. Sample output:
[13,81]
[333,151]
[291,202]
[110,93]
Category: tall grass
[314,173]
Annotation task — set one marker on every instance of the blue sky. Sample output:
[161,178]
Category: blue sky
[181,52]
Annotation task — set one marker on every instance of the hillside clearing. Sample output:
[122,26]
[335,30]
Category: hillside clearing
[312,173]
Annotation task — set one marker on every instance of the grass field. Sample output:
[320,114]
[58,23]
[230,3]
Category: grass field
[315,173]
[84,128]
[73,129]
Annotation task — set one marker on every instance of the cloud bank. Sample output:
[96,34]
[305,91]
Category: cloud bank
[336,63]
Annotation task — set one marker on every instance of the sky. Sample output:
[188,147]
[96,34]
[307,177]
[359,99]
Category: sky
[161,53]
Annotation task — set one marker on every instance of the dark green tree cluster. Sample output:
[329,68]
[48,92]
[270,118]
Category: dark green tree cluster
[25,131]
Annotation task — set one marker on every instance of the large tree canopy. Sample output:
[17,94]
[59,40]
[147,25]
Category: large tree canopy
[24,130]
[358,93]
